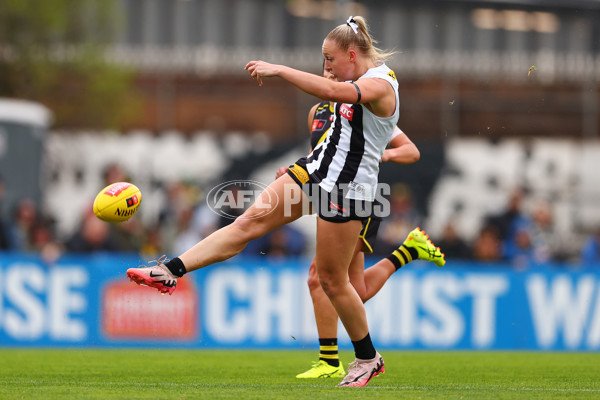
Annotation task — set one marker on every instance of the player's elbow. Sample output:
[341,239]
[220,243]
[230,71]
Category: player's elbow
[405,156]
[415,155]
[411,154]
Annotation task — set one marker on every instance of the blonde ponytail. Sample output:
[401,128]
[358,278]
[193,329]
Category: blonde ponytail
[345,37]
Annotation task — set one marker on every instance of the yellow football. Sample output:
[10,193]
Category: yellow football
[117,202]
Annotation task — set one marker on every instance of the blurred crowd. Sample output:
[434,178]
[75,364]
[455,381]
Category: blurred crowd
[185,220]
[514,236]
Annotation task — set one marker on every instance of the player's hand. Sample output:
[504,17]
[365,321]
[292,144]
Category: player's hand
[281,171]
[261,69]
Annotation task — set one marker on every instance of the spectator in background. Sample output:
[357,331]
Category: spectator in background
[284,241]
[94,235]
[179,219]
[452,244]
[32,232]
[289,242]
[547,244]
[519,250]
[508,221]
[185,235]
[402,219]
[590,252]
[128,234]
[43,240]
[152,244]
[21,228]
[488,246]
[277,244]
[114,173]
[205,220]
[533,241]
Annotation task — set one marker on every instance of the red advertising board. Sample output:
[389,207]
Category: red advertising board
[132,311]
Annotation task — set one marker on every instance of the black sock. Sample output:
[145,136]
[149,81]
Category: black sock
[364,348]
[176,267]
[328,351]
[402,256]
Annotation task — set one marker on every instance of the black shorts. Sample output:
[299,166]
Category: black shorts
[369,233]
[329,206]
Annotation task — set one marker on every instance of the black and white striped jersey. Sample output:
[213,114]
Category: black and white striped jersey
[352,150]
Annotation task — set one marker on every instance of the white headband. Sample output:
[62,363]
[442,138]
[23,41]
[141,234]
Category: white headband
[352,24]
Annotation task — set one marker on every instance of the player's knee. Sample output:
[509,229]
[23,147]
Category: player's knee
[330,285]
[313,279]
[313,284]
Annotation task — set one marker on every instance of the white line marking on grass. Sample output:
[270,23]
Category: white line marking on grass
[494,388]
[262,386]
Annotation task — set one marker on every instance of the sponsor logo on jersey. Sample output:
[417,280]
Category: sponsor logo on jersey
[346,111]
[318,124]
[392,74]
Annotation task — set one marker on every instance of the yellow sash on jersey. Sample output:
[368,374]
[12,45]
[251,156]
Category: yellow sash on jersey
[299,173]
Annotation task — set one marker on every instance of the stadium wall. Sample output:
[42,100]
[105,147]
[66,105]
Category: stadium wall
[433,106]
[86,301]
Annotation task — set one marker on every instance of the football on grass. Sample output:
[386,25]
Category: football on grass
[117,202]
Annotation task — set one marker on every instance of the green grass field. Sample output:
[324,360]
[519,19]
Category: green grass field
[230,374]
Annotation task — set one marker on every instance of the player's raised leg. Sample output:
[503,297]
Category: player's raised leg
[417,246]
[231,239]
[253,224]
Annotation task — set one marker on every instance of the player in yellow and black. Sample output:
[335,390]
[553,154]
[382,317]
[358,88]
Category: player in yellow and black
[367,282]
[319,122]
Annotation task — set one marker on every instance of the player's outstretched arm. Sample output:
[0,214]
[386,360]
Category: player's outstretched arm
[323,88]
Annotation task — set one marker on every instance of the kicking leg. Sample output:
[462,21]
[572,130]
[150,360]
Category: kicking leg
[262,217]
[254,223]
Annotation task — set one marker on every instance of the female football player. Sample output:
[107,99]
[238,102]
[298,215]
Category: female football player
[366,282]
[339,177]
